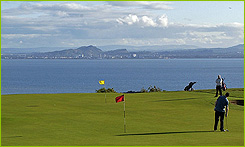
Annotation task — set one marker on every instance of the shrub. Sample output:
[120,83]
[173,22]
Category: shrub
[154,89]
[103,90]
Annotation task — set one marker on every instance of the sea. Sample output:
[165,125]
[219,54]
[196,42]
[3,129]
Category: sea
[33,76]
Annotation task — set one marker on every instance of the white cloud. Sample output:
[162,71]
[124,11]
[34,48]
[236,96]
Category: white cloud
[234,24]
[125,22]
[159,6]
[163,21]
[142,4]
[144,21]
[130,19]
[148,21]
[62,14]
[24,36]
[55,7]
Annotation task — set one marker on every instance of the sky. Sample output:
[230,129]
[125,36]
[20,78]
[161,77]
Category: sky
[26,24]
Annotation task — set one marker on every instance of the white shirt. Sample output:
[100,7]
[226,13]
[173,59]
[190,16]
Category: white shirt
[218,82]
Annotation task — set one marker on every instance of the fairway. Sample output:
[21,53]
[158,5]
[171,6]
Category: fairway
[174,118]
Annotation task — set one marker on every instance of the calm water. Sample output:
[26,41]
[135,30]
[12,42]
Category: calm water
[82,76]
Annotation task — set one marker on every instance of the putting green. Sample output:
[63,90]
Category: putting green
[152,119]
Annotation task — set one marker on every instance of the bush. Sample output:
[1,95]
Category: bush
[110,90]
[151,89]
[103,90]
[154,89]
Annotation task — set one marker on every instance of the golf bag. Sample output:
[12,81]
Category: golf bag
[189,87]
[223,85]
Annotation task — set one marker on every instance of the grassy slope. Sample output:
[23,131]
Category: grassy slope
[169,118]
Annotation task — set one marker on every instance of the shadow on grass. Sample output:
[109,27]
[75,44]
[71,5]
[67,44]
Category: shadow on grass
[175,99]
[165,133]
[12,137]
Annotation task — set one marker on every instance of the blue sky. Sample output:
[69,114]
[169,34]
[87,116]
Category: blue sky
[139,23]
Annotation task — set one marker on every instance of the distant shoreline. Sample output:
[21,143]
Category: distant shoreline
[92,52]
[120,59]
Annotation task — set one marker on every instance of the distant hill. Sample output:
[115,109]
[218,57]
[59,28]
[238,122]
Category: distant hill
[104,48]
[92,52]
[147,48]
[81,52]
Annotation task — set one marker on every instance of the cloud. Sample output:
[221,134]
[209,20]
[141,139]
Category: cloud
[55,7]
[106,23]
[144,21]
[163,21]
[130,19]
[142,4]
[50,11]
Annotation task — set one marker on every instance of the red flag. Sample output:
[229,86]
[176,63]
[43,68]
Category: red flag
[120,98]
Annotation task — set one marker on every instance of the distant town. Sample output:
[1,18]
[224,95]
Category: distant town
[92,52]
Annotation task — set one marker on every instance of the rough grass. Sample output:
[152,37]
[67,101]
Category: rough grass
[152,119]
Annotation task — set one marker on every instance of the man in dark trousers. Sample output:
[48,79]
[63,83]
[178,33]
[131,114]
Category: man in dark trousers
[221,110]
[218,85]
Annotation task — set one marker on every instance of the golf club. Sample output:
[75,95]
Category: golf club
[227,124]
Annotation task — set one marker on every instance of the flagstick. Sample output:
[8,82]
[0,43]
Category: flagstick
[124,116]
[105,93]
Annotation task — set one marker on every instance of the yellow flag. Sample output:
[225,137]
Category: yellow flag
[102,82]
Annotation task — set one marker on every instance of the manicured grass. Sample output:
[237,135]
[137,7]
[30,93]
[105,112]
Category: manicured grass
[153,119]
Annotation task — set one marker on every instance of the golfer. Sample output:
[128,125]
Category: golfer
[221,110]
[218,85]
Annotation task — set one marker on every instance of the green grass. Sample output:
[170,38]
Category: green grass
[153,119]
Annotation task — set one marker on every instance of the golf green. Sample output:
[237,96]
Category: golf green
[174,118]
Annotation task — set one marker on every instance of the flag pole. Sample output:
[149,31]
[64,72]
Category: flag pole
[124,115]
[105,93]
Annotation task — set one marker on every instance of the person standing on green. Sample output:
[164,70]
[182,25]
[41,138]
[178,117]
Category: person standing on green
[218,85]
[221,110]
